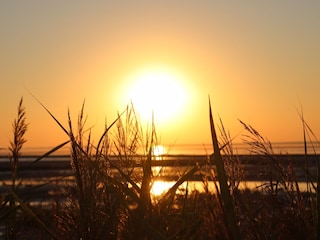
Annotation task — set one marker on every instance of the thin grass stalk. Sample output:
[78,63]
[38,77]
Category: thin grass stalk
[306,165]
[85,176]
[103,136]
[76,161]
[228,205]
[306,168]
[125,150]
[143,211]
[145,200]
[19,129]
[317,219]
[231,162]
[307,131]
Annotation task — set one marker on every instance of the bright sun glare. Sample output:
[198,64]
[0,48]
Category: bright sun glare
[157,92]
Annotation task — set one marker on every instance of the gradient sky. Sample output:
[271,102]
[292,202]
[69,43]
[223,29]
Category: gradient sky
[258,60]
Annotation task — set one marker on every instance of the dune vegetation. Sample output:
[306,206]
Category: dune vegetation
[109,196]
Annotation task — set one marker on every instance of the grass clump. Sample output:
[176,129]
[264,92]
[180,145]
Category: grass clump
[15,211]
[278,209]
[109,196]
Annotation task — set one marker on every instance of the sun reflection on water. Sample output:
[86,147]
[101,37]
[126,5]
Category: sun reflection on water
[158,151]
[160,187]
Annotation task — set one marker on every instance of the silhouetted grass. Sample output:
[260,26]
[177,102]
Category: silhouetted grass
[110,196]
[19,128]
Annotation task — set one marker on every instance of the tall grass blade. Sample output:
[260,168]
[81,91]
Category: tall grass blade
[32,215]
[306,165]
[307,131]
[48,111]
[228,205]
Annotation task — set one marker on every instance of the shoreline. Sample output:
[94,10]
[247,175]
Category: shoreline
[57,166]
[55,171]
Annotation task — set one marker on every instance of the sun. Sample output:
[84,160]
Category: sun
[157,93]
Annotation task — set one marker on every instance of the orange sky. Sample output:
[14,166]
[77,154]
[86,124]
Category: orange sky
[257,60]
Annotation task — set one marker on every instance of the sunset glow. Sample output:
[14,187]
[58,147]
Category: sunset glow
[254,60]
[160,119]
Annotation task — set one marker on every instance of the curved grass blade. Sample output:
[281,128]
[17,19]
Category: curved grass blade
[48,111]
[50,152]
[31,214]
[171,192]
[107,130]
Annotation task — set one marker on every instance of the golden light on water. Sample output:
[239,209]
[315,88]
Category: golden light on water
[160,187]
[159,150]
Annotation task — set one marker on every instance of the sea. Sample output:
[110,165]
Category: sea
[43,183]
[195,149]
[174,162]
